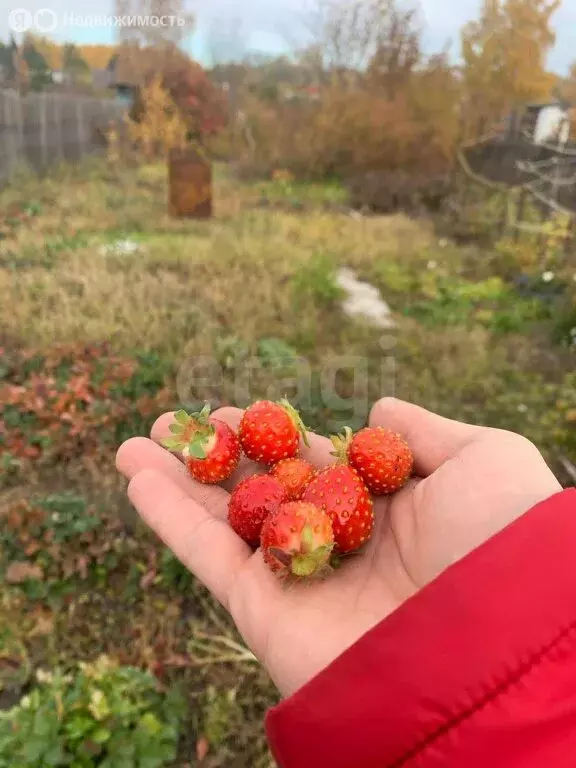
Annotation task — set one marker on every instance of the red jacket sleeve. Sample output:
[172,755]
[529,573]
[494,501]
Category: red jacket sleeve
[477,670]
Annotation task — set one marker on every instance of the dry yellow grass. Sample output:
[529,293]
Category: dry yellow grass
[188,281]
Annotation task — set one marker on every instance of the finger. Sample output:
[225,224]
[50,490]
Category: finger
[320,451]
[206,546]
[139,454]
[433,439]
[232,416]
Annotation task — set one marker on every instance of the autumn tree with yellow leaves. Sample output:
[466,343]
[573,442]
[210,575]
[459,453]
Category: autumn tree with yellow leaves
[505,54]
[161,125]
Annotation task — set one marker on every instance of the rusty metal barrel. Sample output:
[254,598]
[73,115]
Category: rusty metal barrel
[190,184]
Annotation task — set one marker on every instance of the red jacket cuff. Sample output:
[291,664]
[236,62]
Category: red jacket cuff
[442,654]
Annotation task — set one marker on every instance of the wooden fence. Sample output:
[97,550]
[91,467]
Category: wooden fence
[42,128]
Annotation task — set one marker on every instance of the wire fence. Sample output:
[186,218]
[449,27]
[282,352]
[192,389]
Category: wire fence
[43,128]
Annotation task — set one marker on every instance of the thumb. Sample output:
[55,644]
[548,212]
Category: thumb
[433,439]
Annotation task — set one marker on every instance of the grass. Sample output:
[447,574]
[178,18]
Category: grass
[228,310]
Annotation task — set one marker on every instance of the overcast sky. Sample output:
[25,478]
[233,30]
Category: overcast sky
[272,25]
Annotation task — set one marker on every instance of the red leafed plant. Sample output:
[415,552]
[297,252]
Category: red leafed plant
[200,102]
[71,400]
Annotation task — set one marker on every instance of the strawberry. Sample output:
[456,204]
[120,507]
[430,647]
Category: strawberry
[294,474]
[340,492]
[251,503]
[297,540]
[270,432]
[382,458]
[209,446]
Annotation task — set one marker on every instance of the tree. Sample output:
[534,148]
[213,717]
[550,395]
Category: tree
[434,97]
[568,87]
[97,56]
[504,54]
[397,51]
[74,67]
[349,32]
[159,126]
[51,51]
[21,69]
[40,74]
[568,91]
[6,64]
[199,100]
[10,62]
[152,33]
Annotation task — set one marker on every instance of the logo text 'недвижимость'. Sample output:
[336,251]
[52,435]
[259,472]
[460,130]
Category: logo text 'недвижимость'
[47,20]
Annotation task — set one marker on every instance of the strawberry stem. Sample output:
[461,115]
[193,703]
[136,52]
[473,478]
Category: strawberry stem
[342,444]
[304,565]
[296,418]
[312,562]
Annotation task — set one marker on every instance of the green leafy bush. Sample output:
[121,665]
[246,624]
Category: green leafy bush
[492,303]
[284,189]
[47,546]
[104,715]
[276,353]
[316,281]
[173,575]
[231,351]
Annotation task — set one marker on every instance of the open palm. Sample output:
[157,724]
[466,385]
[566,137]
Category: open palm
[471,483]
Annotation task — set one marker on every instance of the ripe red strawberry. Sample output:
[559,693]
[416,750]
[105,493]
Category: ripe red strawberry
[297,540]
[251,503]
[340,492]
[270,432]
[294,474]
[382,458]
[209,447]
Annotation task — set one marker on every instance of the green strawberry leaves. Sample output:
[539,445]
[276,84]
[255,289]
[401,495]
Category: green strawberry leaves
[181,418]
[196,449]
[172,444]
[191,433]
[202,417]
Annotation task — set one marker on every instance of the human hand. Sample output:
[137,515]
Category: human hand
[471,483]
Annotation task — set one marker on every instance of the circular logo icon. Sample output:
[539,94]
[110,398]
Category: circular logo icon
[45,20]
[20,20]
